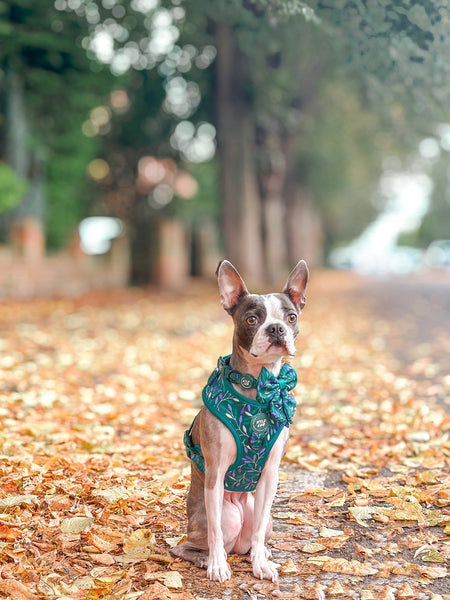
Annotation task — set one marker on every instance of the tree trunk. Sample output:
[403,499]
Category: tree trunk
[26,162]
[241,217]
[272,184]
[305,233]
[17,126]
[304,225]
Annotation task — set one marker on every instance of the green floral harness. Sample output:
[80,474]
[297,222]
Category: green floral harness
[255,424]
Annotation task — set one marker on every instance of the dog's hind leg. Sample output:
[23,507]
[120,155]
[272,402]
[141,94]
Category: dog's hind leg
[244,503]
[187,551]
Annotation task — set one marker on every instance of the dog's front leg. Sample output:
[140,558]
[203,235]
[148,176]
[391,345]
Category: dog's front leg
[264,495]
[219,451]
[218,569]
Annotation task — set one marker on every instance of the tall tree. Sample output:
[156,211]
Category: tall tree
[273,57]
[47,90]
[273,60]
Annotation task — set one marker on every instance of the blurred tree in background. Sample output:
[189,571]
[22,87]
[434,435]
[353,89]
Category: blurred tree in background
[11,186]
[302,99]
[46,87]
[278,70]
[436,223]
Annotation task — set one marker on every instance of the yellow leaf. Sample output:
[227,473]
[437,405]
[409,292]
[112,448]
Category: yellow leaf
[349,567]
[338,500]
[141,538]
[75,524]
[289,567]
[435,517]
[313,547]
[176,541]
[431,572]
[427,477]
[106,580]
[171,579]
[364,513]
[113,494]
[319,560]
[134,556]
[367,595]
[336,589]
[406,591]
[167,479]
[434,556]
[387,593]
[333,542]
[10,501]
[407,511]
[326,532]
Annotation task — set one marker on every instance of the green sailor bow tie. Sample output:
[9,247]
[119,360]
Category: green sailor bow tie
[275,391]
[270,390]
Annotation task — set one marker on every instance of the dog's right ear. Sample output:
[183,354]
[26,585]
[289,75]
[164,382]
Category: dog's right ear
[296,284]
[231,285]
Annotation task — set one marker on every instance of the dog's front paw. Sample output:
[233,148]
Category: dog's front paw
[265,571]
[218,568]
[262,569]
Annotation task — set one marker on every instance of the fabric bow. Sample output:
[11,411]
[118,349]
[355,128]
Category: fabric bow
[274,390]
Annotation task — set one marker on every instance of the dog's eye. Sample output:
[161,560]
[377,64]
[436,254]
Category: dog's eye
[252,320]
[292,318]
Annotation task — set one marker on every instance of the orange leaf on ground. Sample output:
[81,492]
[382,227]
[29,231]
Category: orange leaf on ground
[14,589]
[9,534]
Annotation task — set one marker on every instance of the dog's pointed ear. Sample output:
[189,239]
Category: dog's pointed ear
[231,285]
[296,284]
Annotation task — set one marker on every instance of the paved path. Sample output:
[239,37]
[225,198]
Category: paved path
[418,309]
[406,324]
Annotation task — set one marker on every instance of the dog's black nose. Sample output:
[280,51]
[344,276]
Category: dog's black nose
[276,332]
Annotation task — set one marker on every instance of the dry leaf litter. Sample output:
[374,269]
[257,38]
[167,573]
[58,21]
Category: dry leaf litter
[96,394]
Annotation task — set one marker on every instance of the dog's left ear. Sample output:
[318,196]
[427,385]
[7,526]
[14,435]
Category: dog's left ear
[296,284]
[231,285]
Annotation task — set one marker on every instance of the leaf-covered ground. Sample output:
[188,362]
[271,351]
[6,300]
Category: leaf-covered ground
[96,394]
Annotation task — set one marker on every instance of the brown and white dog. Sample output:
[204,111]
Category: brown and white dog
[222,521]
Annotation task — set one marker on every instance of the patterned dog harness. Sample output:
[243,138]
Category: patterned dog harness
[255,424]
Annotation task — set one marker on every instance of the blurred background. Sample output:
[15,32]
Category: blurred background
[142,140]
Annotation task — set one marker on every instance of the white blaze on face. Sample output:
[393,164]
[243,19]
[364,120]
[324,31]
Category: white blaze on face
[262,344]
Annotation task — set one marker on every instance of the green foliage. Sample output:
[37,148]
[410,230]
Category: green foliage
[12,188]
[277,11]
[42,44]
[436,224]
[70,194]
[205,204]
[339,158]
[401,46]
[290,51]
[400,52]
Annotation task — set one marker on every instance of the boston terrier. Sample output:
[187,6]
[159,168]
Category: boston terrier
[239,437]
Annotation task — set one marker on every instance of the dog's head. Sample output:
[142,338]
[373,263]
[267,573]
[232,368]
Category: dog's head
[265,326]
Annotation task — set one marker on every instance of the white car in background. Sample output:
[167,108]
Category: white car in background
[437,254]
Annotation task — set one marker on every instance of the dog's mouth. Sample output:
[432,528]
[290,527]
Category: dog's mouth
[275,348]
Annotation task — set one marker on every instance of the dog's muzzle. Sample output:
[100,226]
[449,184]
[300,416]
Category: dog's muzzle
[276,333]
